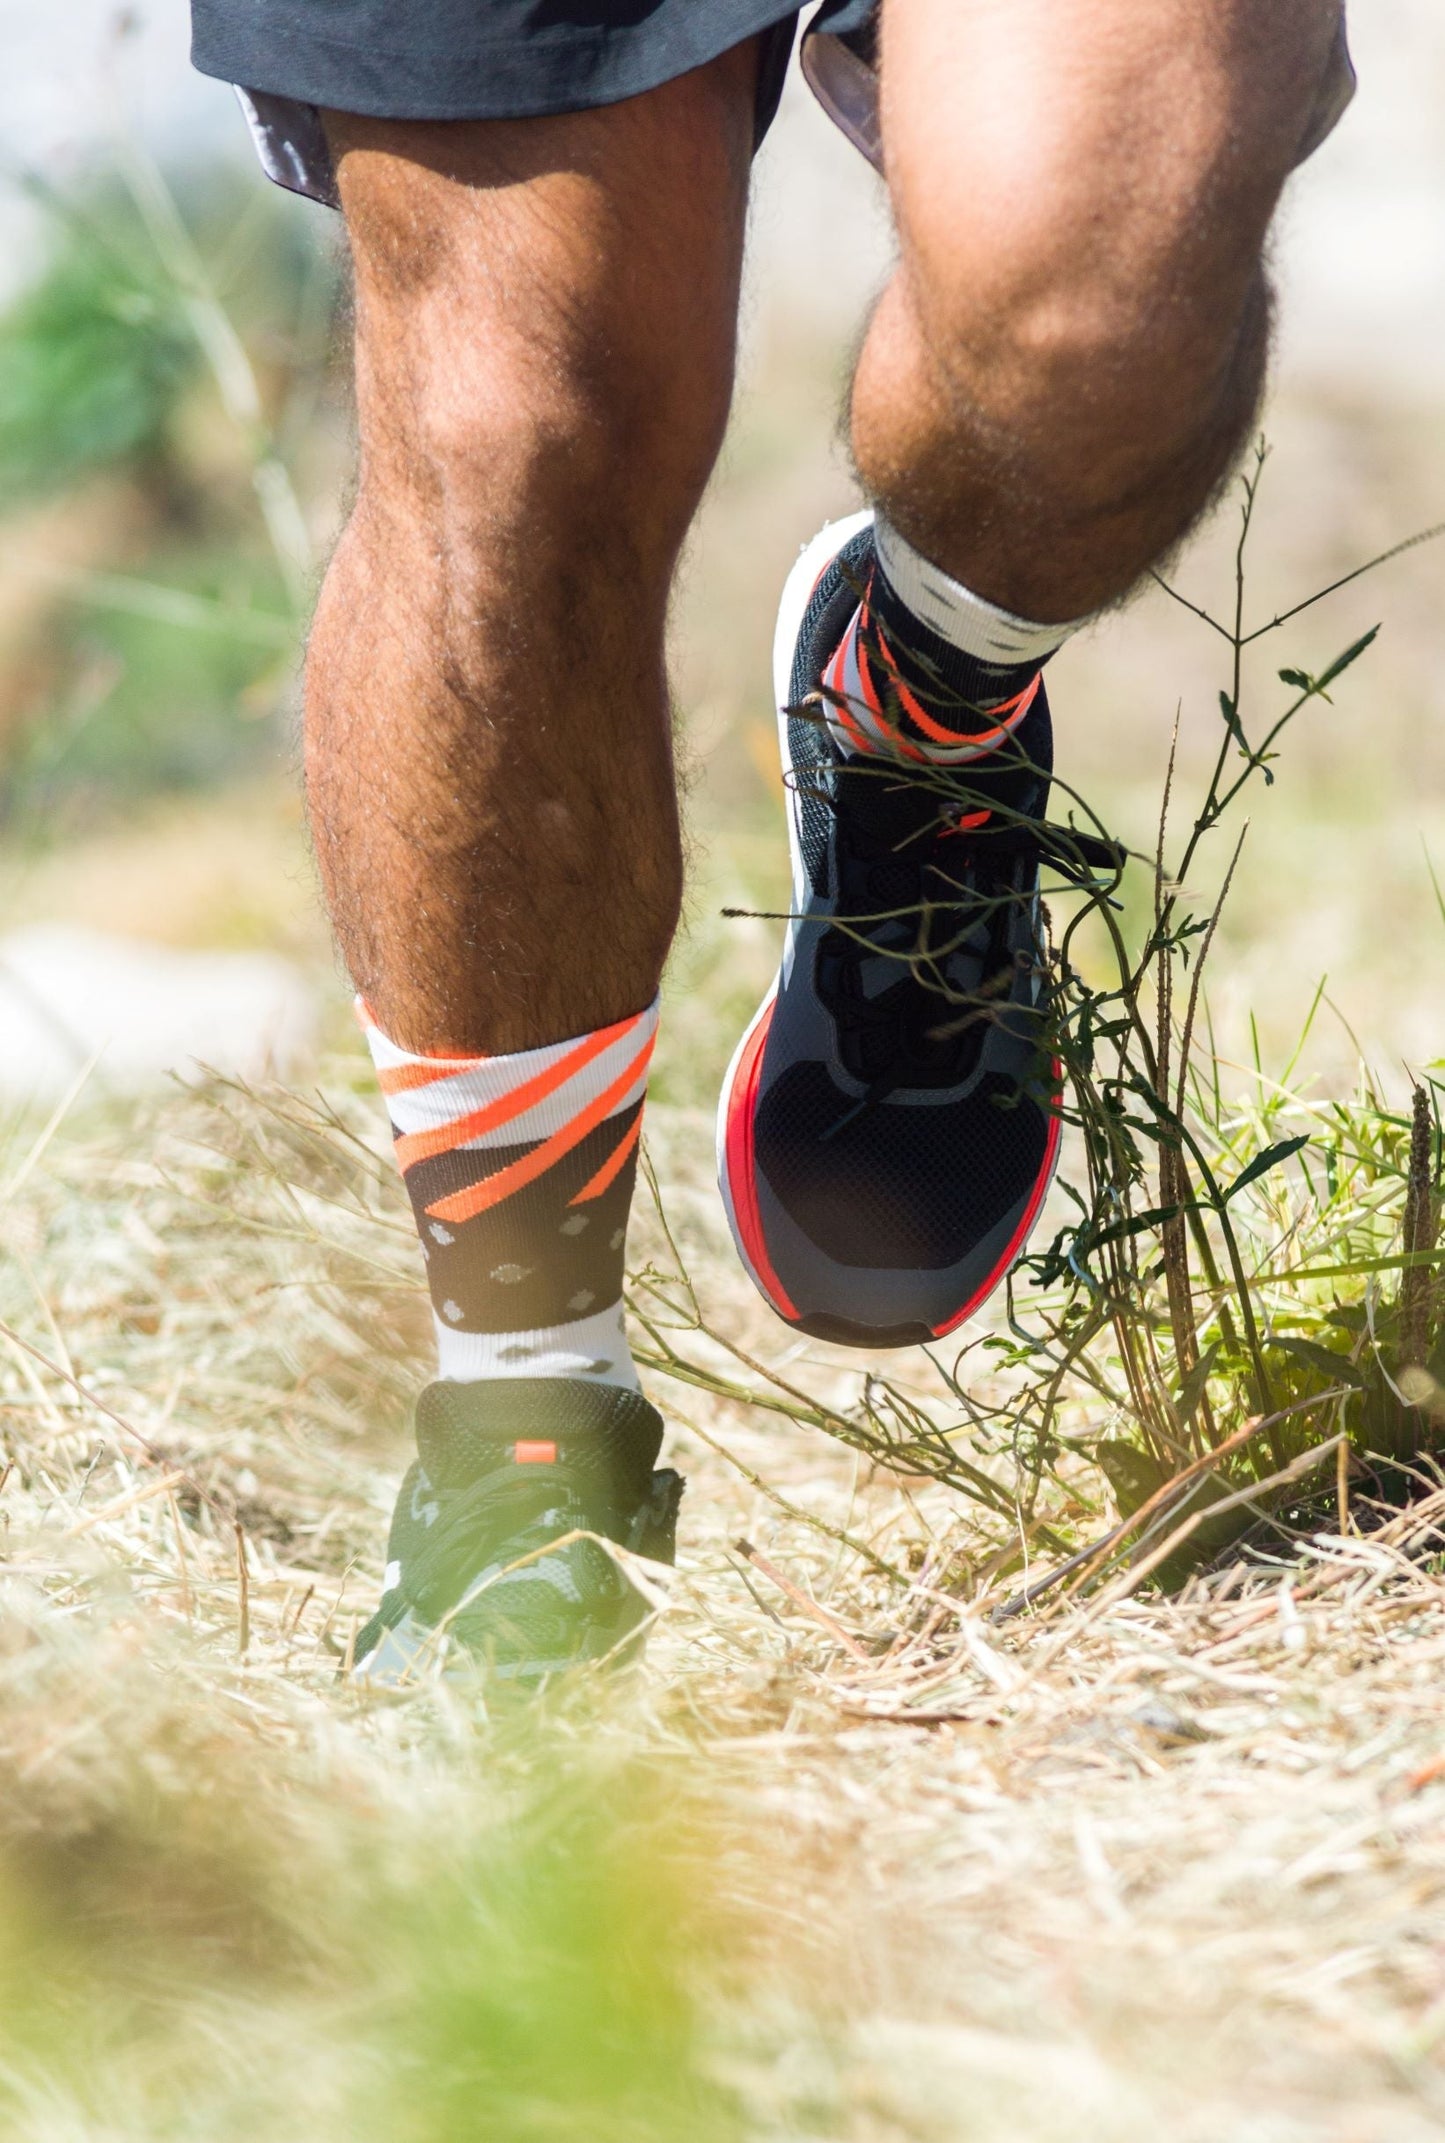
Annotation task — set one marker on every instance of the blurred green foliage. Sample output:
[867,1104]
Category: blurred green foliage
[155,704]
[545,1979]
[94,357]
[177,1965]
[159,652]
[100,350]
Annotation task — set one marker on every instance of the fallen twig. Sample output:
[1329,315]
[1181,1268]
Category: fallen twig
[801,1599]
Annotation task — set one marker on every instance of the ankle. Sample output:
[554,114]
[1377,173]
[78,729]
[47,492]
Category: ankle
[929,669]
[520,1170]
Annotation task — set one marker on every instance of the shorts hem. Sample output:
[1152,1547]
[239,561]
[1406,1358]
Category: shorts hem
[529,78]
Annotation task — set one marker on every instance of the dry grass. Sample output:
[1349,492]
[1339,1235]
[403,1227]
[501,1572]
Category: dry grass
[844,1860]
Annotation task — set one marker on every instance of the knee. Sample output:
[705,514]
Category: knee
[1101,241]
[500,437]
[542,418]
[1060,290]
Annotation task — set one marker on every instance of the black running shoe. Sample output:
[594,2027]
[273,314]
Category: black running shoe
[889,1124]
[479,1557]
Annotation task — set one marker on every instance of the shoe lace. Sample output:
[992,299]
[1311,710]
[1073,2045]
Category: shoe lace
[938,899]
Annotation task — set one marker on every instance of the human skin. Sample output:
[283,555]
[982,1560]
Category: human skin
[1052,385]
[1073,346]
[545,327]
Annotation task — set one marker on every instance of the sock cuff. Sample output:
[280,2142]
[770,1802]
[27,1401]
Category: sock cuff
[510,1100]
[386,1054]
[966,621]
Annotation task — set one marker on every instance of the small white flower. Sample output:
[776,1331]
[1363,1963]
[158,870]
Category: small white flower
[582,1300]
[439,1234]
[451,1312]
[509,1275]
[575,1225]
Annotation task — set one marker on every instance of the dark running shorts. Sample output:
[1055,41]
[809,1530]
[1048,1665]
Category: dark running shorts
[486,59]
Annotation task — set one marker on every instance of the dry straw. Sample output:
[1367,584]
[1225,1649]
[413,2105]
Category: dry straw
[1122,1864]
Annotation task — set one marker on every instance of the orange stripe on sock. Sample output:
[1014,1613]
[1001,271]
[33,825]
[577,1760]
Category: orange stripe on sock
[1012,710]
[417,1146]
[838,698]
[612,1167]
[400,1078]
[896,738]
[465,1205]
[907,700]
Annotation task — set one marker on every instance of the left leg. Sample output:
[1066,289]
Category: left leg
[545,327]
[1051,388]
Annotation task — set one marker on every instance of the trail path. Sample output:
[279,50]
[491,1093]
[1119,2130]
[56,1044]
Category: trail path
[1169,1869]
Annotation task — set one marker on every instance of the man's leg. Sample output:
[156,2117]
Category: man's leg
[1051,388]
[545,323]
[544,349]
[1073,345]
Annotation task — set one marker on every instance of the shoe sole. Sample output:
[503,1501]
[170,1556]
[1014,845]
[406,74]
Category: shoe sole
[735,1115]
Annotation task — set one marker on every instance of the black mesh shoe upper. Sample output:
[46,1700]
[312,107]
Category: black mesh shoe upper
[506,1469]
[890,1124]
[884,1189]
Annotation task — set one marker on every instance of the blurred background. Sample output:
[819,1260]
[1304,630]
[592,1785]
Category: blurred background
[175,447]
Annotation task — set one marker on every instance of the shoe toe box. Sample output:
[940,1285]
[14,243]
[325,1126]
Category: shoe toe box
[888,1222]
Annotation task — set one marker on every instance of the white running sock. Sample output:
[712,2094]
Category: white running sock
[966,621]
[520,1170]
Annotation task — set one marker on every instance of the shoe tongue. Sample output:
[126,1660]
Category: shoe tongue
[464,1430]
[899,801]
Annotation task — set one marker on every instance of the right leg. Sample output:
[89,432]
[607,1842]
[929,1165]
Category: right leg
[545,331]
[1072,350]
